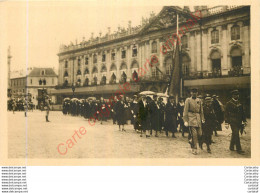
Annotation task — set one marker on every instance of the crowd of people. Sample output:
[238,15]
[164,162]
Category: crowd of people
[14,104]
[199,117]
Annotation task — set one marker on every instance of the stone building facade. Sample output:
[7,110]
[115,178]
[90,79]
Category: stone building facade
[215,48]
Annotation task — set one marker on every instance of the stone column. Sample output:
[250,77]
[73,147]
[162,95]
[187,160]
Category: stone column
[246,41]
[209,65]
[205,49]
[192,52]
[229,65]
[224,61]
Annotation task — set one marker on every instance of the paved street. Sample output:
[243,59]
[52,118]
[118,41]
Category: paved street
[103,141]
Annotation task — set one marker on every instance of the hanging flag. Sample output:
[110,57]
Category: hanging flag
[175,80]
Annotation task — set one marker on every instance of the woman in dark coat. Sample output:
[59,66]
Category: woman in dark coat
[120,113]
[171,117]
[210,122]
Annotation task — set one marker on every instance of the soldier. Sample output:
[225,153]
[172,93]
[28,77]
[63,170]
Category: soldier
[171,117]
[235,117]
[48,107]
[210,122]
[193,117]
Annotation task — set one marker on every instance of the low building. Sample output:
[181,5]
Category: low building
[38,82]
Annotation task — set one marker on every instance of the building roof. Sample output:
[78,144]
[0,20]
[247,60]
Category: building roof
[42,72]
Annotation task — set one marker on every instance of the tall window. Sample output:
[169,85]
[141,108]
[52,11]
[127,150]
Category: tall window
[154,47]
[86,61]
[103,57]
[40,82]
[31,81]
[79,62]
[66,64]
[184,41]
[134,54]
[44,82]
[168,64]
[235,32]
[123,53]
[95,59]
[42,72]
[214,36]
[113,56]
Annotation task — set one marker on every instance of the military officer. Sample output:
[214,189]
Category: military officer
[193,118]
[235,117]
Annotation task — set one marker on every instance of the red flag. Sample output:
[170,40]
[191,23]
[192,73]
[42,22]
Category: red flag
[175,80]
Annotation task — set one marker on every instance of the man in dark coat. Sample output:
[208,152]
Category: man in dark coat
[219,113]
[120,107]
[143,115]
[171,117]
[235,117]
[155,116]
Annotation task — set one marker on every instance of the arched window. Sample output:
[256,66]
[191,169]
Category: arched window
[168,66]
[113,67]
[134,64]
[94,58]
[135,76]
[79,72]
[216,63]
[123,66]
[86,71]
[214,36]
[66,74]
[236,57]
[65,83]
[86,82]
[123,77]
[78,82]
[103,80]
[95,70]
[184,41]
[113,79]
[95,80]
[154,47]
[103,69]
[235,32]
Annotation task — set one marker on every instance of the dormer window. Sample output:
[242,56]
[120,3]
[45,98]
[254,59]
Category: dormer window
[43,72]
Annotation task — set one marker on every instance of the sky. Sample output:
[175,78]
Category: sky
[35,30]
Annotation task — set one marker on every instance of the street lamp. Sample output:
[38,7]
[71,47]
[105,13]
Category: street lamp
[73,89]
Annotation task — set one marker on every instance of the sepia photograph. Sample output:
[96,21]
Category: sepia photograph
[127,81]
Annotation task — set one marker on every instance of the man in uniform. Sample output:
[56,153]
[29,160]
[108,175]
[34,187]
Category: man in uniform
[235,117]
[193,118]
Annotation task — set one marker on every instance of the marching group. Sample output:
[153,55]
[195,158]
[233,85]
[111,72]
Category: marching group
[198,116]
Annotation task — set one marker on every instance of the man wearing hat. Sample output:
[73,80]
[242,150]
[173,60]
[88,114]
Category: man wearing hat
[142,115]
[47,107]
[235,117]
[193,117]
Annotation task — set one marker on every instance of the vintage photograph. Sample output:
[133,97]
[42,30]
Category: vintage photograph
[88,81]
